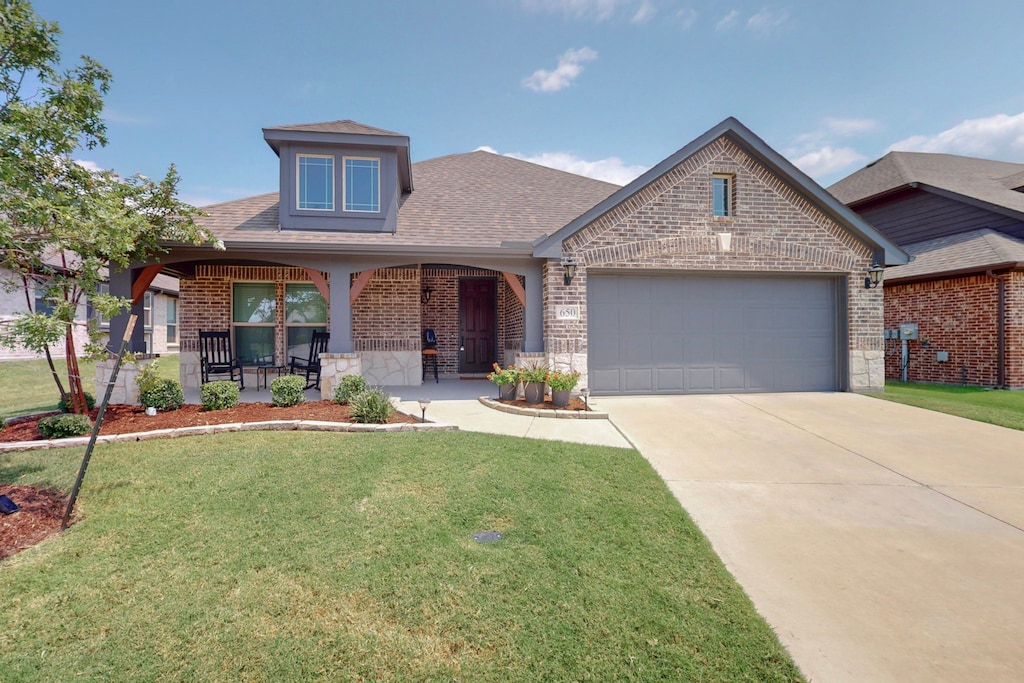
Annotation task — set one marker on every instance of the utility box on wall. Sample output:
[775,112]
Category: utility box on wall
[908,331]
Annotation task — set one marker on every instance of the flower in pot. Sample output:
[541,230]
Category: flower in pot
[562,384]
[534,376]
[507,380]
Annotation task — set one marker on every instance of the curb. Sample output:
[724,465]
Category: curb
[271,425]
[537,412]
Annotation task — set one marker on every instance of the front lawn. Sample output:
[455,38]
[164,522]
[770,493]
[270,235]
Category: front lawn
[298,556]
[999,407]
[27,386]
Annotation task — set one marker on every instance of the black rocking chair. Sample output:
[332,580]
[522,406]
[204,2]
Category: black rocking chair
[216,357]
[310,366]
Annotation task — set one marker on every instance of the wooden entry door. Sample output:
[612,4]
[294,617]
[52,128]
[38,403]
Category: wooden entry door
[478,324]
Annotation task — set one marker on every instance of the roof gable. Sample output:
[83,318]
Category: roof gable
[886,251]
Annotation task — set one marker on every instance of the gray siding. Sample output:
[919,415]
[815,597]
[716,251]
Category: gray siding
[917,216]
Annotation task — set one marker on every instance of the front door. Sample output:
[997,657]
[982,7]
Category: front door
[478,341]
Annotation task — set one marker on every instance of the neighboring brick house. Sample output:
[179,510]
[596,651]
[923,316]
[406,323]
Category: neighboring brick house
[962,221]
[159,305]
[722,269]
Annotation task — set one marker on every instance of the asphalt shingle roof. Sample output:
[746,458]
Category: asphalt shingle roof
[975,250]
[982,179]
[477,200]
[344,126]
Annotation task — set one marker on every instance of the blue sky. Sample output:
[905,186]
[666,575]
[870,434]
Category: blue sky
[605,88]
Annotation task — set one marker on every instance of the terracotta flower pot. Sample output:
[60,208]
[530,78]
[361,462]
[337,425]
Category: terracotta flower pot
[534,392]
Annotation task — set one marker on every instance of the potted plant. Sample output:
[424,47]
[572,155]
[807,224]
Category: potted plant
[534,376]
[507,381]
[562,384]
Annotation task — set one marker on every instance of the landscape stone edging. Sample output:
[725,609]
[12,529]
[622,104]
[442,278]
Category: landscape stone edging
[269,425]
[538,412]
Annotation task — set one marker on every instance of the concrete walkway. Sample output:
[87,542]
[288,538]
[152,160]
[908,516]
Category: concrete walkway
[882,542]
[471,415]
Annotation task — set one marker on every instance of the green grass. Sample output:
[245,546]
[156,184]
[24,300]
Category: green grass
[27,386]
[298,556]
[999,407]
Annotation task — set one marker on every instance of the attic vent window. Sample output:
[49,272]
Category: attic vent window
[316,182]
[721,194]
[362,184]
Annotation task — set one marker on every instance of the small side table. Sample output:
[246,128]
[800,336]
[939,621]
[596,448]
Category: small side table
[261,370]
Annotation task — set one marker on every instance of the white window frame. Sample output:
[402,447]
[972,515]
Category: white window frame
[730,189]
[172,304]
[298,182]
[344,184]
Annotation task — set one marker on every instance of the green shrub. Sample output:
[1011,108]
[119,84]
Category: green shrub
[372,406]
[164,394]
[64,425]
[147,381]
[288,391]
[349,386]
[90,403]
[219,395]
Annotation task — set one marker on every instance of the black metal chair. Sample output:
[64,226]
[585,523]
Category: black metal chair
[217,358]
[428,354]
[310,366]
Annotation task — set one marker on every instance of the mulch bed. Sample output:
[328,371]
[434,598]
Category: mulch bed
[40,515]
[125,419]
[574,404]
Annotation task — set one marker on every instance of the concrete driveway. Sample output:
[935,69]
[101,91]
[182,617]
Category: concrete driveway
[881,542]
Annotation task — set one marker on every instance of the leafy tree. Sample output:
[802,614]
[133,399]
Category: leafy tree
[61,224]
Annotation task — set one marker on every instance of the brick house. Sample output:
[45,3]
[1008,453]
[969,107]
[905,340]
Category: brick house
[962,221]
[722,269]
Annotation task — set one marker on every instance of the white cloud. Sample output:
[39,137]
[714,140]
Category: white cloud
[826,160]
[686,18]
[89,165]
[611,169]
[997,137]
[570,66]
[644,13]
[595,10]
[728,21]
[765,20]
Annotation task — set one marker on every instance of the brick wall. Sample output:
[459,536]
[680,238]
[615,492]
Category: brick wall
[441,313]
[1013,301]
[205,300]
[386,316]
[669,226]
[959,316]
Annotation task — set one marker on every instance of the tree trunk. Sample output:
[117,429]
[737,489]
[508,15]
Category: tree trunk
[76,393]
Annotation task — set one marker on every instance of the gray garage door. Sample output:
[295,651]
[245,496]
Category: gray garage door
[683,334]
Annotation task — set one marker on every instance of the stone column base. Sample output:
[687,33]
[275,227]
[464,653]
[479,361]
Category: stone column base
[334,366]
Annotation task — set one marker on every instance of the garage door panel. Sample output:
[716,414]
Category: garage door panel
[678,334]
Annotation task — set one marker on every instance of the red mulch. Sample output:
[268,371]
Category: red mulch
[40,515]
[124,419]
[574,404]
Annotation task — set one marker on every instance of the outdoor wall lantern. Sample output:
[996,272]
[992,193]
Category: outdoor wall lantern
[424,404]
[569,266]
[874,277]
[425,295]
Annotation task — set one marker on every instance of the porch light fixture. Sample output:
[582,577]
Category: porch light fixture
[874,277]
[425,295]
[424,404]
[569,267]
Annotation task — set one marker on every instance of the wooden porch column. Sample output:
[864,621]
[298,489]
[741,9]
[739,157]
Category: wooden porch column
[533,316]
[341,309]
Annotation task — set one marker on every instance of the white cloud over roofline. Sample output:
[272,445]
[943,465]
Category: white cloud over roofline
[610,169]
[998,137]
[570,66]
[826,160]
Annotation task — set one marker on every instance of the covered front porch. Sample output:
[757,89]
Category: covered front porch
[479,314]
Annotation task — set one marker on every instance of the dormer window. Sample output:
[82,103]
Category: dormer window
[362,184]
[315,182]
